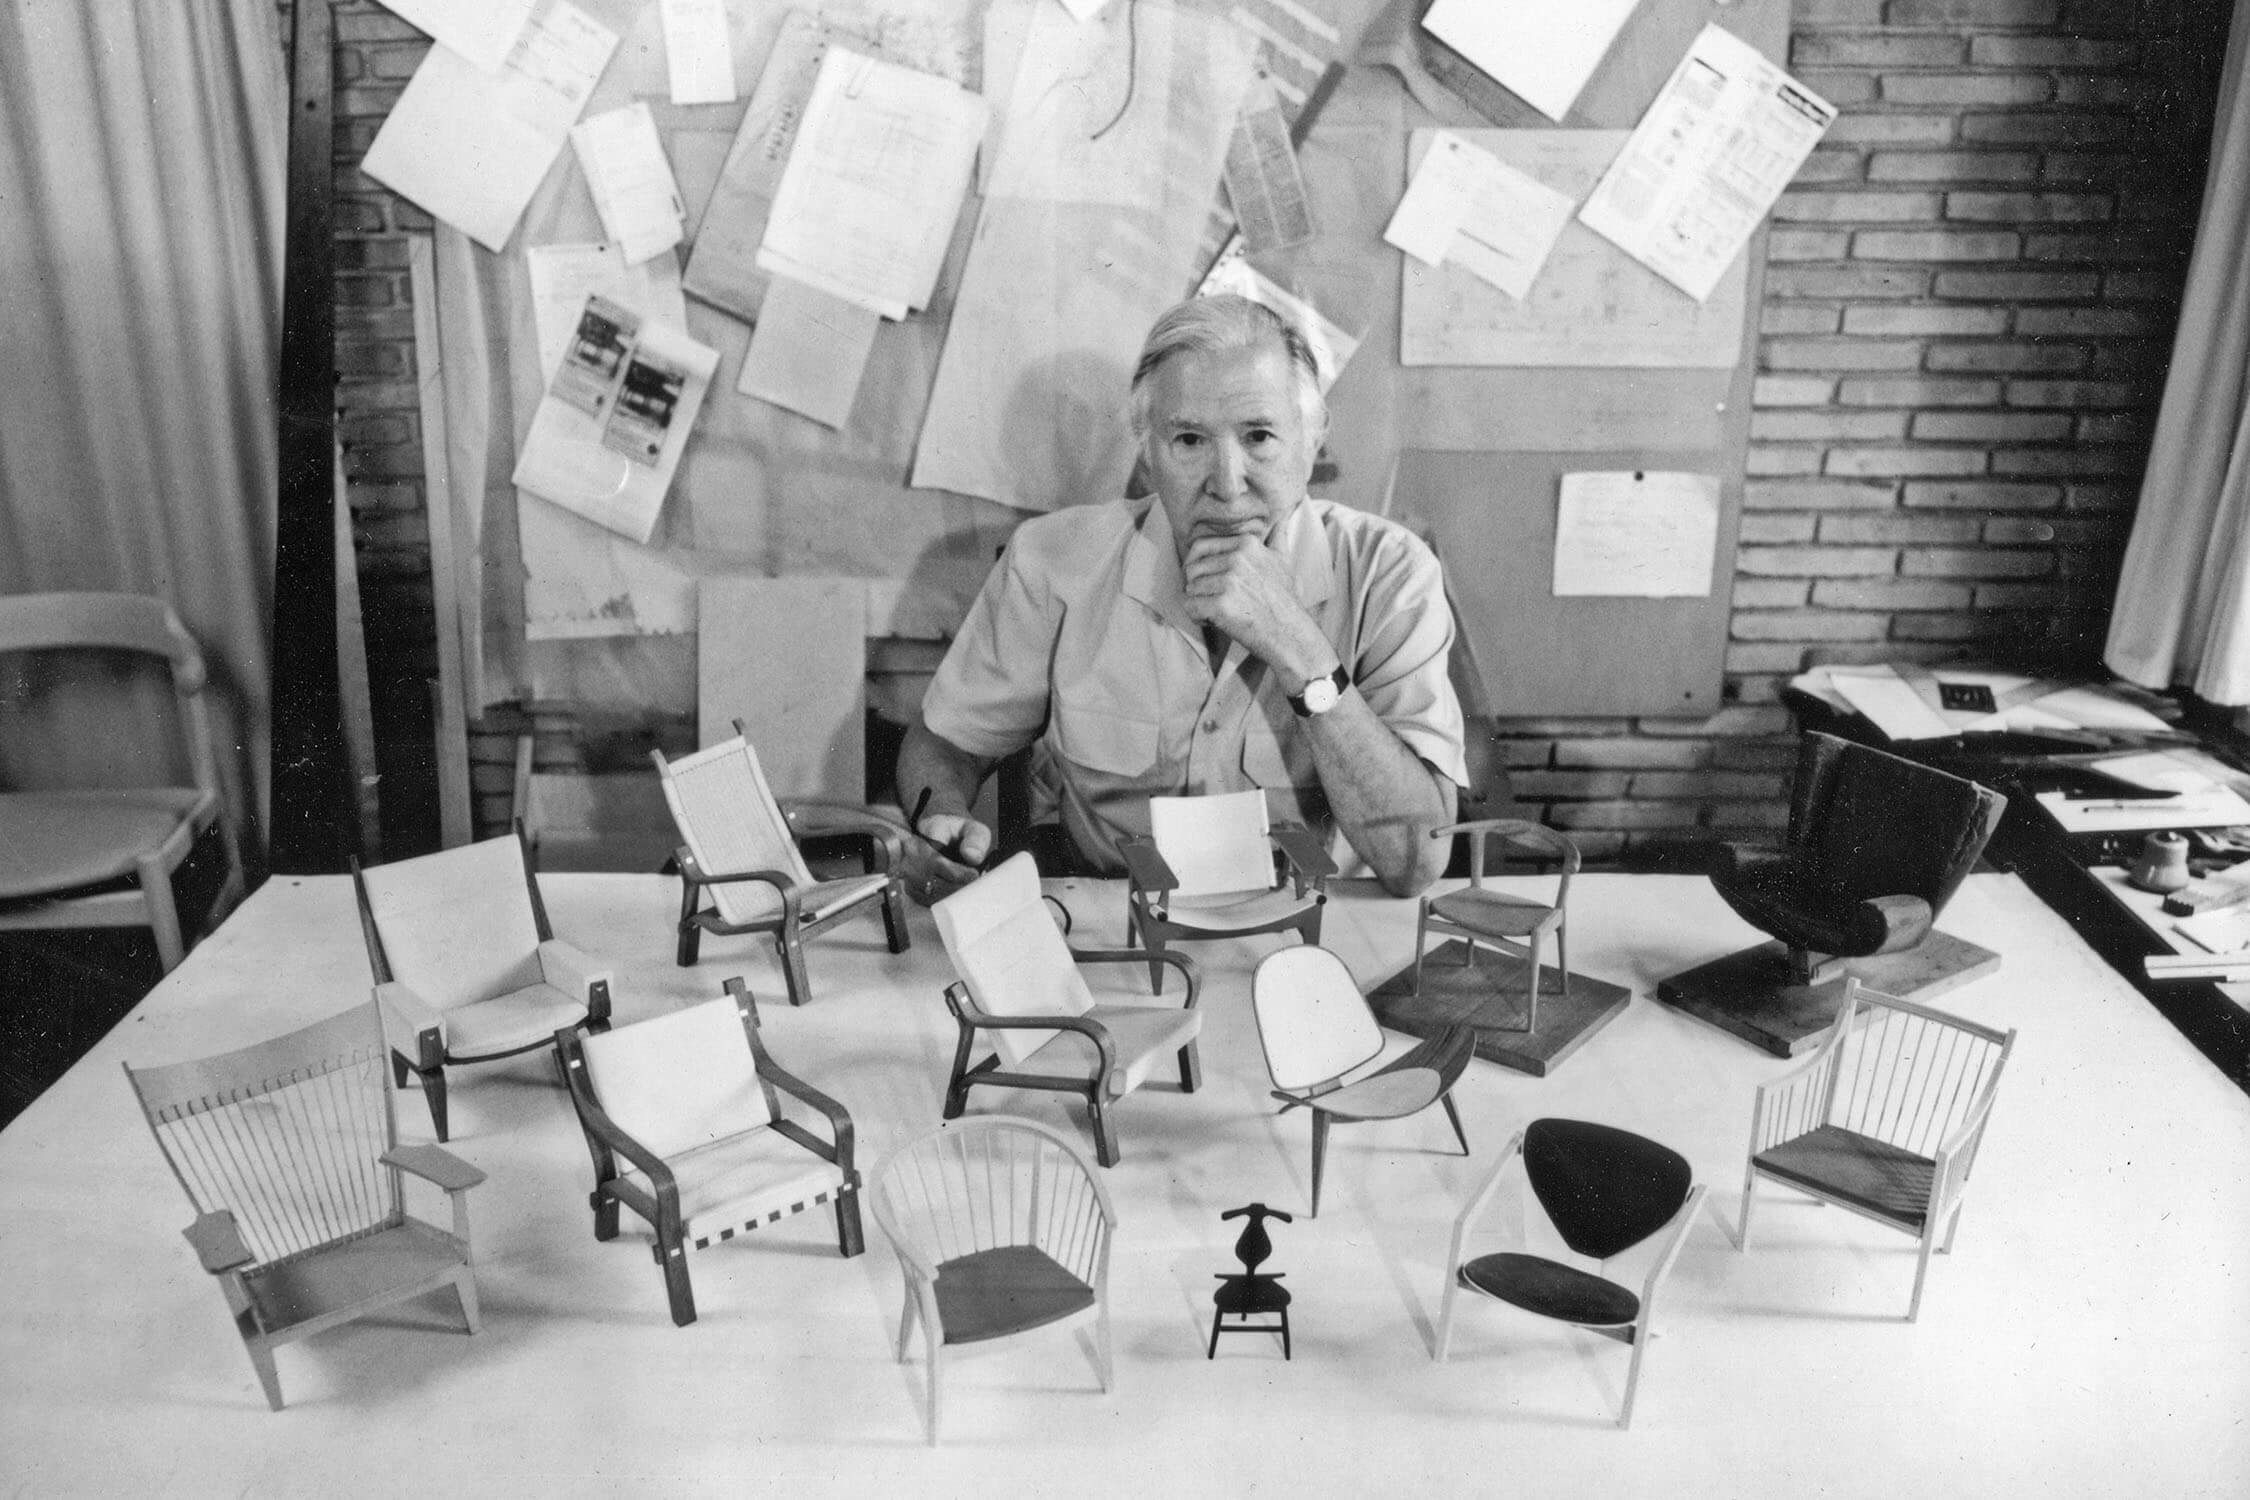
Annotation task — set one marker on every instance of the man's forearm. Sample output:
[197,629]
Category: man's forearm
[1382,794]
[951,775]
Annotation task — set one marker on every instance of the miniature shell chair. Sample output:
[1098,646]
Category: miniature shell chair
[1884,1119]
[1022,988]
[1604,1190]
[684,1117]
[289,1151]
[1208,870]
[1317,1031]
[105,856]
[466,968]
[1000,1227]
[1480,914]
[739,848]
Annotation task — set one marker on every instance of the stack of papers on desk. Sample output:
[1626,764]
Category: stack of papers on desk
[2214,807]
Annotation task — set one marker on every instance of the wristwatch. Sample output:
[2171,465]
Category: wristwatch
[1320,694]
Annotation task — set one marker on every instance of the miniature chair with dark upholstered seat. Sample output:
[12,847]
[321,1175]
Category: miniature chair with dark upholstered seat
[1217,867]
[1604,1191]
[1001,1227]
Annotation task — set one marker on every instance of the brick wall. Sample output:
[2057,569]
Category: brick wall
[1970,296]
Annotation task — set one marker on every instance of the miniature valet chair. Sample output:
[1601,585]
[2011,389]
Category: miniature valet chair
[289,1151]
[739,848]
[1480,914]
[1604,1191]
[1884,1119]
[1317,1030]
[1021,986]
[1000,1227]
[104,856]
[1250,1292]
[1209,870]
[685,1120]
[466,968]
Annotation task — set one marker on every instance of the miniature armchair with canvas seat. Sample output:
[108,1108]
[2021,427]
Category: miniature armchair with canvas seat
[466,968]
[1884,1119]
[105,856]
[738,848]
[1217,867]
[1021,988]
[1604,1191]
[1318,1032]
[289,1151]
[685,1116]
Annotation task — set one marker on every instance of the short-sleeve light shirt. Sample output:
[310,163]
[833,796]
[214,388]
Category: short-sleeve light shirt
[1081,638]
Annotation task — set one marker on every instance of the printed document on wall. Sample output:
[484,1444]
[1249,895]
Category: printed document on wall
[482,31]
[471,147]
[1466,207]
[631,180]
[564,276]
[1706,162]
[1639,535]
[1543,51]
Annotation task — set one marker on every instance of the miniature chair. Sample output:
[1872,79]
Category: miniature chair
[1317,1030]
[289,1151]
[1250,1292]
[1000,1228]
[691,1102]
[466,968]
[1604,1191]
[739,846]
[1208,870]
[1021,983]
[105,856]
[1884,1119]
[1481,914]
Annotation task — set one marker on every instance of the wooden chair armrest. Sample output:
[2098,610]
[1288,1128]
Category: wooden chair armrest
[1305,850]
[1474,1208]
[817,819]
[1179,961]
[414,1028]
[694,873]
[839,1147]
[218,1242]
[434,1164]
[1146,867]
[600,1128]
[570,970]
[1903,921]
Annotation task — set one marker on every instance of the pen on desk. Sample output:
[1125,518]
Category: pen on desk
[2115,804]
[914,818]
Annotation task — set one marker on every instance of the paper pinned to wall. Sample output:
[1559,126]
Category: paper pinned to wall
[631,180]
[1638,535]
[1466,207]
[1696,177]
[481,31]
[564,276]
[470,147]
[1263,182]
[1541,51]
[788,657]
[1332,347]
[808,352]
[698,55]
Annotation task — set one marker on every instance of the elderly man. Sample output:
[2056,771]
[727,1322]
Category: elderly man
[1234,634]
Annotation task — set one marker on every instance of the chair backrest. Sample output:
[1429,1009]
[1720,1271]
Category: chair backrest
[1544,843]
[729,821]
[286,1134]
[1604,1189]
[989,1181]
[1009,953]
[684,1079]
[457,926]
[1217,845]
[135,623]
[1906,1074]
[1312,1020]
[1876,824]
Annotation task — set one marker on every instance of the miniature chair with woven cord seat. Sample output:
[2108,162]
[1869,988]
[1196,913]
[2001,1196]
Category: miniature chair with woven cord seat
[466,968]
[289,1151]
[738,847]
[1000,1227]
[685,1119]
[1884,1119]
[1217,867]
[1604,1191]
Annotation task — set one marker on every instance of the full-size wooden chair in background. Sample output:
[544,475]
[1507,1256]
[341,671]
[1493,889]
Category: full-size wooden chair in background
[1604,1191]
[685,1118]
[1482,915]
[106,856]
[1884,1119]
[1217,867]
[289,1151]
[1000,1227]
[739,850]
[466,968]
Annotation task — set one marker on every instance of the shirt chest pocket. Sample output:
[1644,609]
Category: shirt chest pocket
[1104,736]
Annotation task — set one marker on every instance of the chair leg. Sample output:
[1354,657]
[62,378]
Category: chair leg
[1319,1155]
[936,1347]
[1445,1314]
[1749,1198]
[433,1093]
[1921,1270]
[1421,935]
[676,1288]
[1105,1137]
[1191,1069]
[691,936]
[398,1069]
[1562,956]
[894,916]
[906,1313]
[957,1087]
[1104,1365]
[1218,1316]
[261,1360]
[1531,1004]
[605,1215]
[1952,1228]
[1152,938]
[1285,1333]
[1453,1113]
[791,941]
[163,912]
[850,1237]
[465,1289]
[1308,923]
[1633,1375]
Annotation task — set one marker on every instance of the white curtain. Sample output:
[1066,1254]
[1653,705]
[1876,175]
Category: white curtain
[142,175]
[2182,615]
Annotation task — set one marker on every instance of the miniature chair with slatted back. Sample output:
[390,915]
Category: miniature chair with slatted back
[1515,925]
[1001,1227]
[467,969]
[1884,1119]
[1021,988]
[1216,866]
[1604,1191]
[289,1151]
[1318,1032]
[738,848]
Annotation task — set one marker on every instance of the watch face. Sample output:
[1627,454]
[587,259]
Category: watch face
[1320,695]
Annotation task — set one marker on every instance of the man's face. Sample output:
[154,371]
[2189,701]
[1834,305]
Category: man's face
[1228,448]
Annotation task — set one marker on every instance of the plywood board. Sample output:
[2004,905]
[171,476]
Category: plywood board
[788,657]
